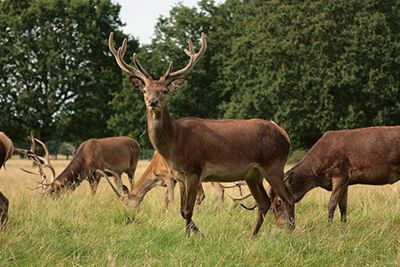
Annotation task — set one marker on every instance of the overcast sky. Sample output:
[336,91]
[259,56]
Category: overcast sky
[141,16]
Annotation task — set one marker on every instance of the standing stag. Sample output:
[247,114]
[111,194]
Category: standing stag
[342,158]
[201,150]
[6,151]
[158,174]
[119,154]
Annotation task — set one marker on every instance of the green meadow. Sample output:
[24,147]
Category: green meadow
[79,229]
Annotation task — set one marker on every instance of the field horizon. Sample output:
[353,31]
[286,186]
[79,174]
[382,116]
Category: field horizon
[79,229]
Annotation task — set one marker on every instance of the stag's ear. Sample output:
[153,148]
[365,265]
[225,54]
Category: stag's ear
[137,83]
[175,84]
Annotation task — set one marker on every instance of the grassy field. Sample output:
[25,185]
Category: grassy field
[96,231]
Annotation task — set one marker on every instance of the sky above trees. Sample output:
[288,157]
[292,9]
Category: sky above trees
[141,17]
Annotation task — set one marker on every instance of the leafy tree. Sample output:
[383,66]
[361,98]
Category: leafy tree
[314,66]
[57,75]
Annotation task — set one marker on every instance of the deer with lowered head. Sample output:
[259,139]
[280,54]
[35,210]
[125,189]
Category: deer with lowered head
[158,174]
[201,150]
[6,151]
[119,154]
[341,158]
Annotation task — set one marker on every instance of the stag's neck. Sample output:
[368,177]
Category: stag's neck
[161,129]
[306,177]
[71,176]
[142,186]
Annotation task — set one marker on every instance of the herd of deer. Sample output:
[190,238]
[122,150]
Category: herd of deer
[192,151]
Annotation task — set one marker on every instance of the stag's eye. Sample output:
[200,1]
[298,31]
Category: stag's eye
[144,90]
[165,91]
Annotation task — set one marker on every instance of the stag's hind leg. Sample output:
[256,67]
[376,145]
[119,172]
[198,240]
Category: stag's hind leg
[200,196]
[263,203]
[220,195]
[3,211]
[169,194]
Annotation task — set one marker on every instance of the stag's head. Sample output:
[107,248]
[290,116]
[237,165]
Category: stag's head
[155,91]
[277,208]
[291,182]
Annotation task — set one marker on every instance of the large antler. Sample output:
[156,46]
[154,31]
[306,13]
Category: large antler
[194,58]
[117,178]
[136,70]
[39,161]
[46,159]
[102,173]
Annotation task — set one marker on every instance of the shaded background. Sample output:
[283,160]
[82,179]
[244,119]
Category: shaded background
[311,66]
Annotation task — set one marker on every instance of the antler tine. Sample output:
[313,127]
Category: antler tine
[47,159]
[252,207]
[109,182]
[32,140]
[119,54]
[30,172]
[194,58]
[46,150]
[139,66]
[111,44]
[169,69]
[240,198]
[189,52]
[237,184]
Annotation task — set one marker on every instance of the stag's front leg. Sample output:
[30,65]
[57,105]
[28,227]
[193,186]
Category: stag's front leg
[263,203]
[188,200]
[3,210]
[94,183]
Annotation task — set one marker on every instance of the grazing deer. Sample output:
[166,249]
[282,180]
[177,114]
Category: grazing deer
[158,174]
[201,150]
[6,151]
[342,158]
[119,154]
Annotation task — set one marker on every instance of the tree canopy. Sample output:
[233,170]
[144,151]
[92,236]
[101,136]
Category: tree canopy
[311,66]
[57,74]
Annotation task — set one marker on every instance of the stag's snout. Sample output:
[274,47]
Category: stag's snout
[131,204]
[153,102]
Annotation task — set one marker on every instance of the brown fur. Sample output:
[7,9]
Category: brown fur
[342,158]
[119,154]
[158,174]
[200,150]
[6,151]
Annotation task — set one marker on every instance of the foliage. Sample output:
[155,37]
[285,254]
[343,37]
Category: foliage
[57,75]
[311,66]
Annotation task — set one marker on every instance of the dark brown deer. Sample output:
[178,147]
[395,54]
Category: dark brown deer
[341,158]
[6,151]
[119,154]
[201,150]
[158,174]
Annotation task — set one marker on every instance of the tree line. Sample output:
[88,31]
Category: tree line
[310,66]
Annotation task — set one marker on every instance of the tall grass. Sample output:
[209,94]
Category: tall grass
[97,231]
